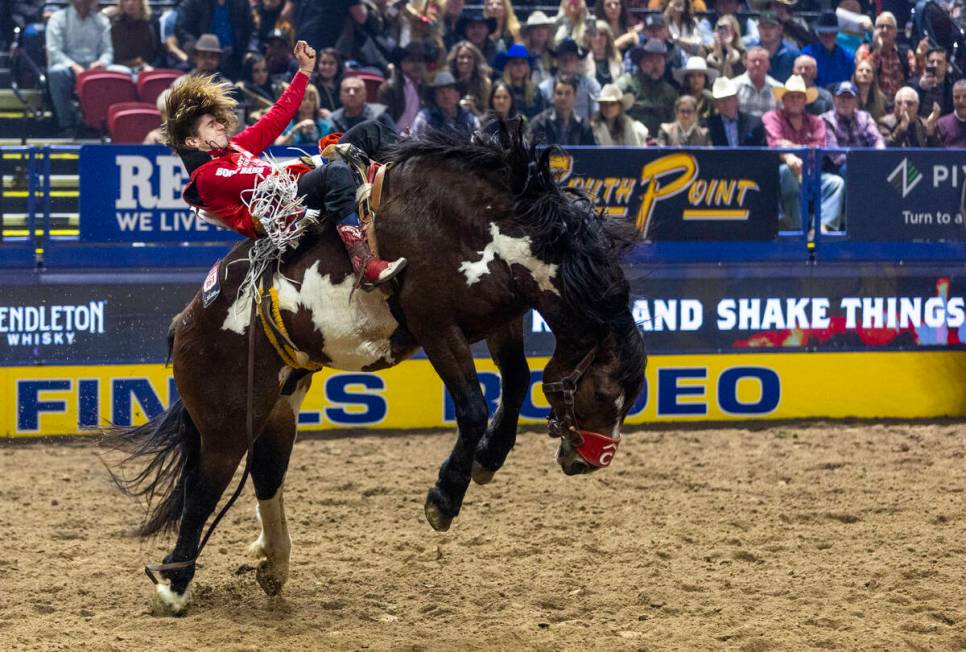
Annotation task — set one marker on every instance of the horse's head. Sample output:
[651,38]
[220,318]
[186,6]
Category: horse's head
[589,399]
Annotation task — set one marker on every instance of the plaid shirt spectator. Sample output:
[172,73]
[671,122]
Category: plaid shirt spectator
[778,128]
[754,101]
[860,131]
[888,69]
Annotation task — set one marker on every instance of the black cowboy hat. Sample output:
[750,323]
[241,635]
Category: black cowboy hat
[470,16]
[414,49]
[651,46]
[569,46]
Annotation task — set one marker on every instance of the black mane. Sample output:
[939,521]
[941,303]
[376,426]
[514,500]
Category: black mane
[562,224]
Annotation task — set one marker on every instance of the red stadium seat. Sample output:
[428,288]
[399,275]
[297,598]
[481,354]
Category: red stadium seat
[129,126]
[372,80]
[153,82]
[98,90]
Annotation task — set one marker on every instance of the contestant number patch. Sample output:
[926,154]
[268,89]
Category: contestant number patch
[212,287]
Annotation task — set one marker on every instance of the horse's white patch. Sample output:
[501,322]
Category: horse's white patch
[618,403]
[273,542]
[239,313]
[295,398]
[176,603]
[511,250]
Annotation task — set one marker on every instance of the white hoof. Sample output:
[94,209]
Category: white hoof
[170,603]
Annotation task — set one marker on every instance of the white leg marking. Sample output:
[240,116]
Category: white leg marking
[175,603]
[511,250]
[274,543]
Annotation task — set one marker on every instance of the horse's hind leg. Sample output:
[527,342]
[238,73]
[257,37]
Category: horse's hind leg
[506,349]
[272,451]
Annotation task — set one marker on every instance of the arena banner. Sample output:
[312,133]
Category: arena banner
[55,400]
[699,194]
[914,194]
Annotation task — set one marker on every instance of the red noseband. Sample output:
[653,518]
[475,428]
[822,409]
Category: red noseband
[597,450]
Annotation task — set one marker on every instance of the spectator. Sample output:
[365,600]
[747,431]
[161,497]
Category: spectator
[321,22]
[870,98]
[746,30]
[328,80]
[355,109]
[611,124]
[796,30]
[729,127]
[835,64]
[267,14]
[450,13]
[952,127]
[694,80]
[755,85]
[502,103]
[934,86]
[78,39]
[507,30]
[727,54]
[278,56]
[206,55]
[402,92]
[655,29]
[653,97]
[781,57]
[685,130]
[847,126]
[560,124]
[536,36]
[135,36]
[807,69]
[231,21]
[569,57]
[904,127]
[472,75]
[444,112]
[515,65]
[792,126]
[257,90]
[174,56]
[606,57]
[682,27]
[476,28]
[571,21]
[889,59]
[308,126]
[614,13]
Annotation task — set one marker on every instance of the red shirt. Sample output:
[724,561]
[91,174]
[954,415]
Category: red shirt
[221,181]
[778,128]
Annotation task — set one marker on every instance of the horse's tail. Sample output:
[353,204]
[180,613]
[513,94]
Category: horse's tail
[170,444]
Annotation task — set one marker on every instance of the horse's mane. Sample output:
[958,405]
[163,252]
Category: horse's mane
[562,223]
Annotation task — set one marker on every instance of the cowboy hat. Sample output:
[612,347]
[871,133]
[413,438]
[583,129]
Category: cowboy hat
[470,16]
[651,46]
[516,51]
[723,87]
[696,64]
[207,43]
[569,46]
[536,19]
[611,93]
[827,22]
[442,79]
[795,84]
[413,49]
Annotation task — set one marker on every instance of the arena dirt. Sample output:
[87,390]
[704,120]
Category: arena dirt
[824,536]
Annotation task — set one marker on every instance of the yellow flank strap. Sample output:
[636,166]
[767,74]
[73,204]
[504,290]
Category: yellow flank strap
[283,346]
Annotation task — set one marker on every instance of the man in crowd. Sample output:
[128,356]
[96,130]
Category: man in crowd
[835,64]
[796,30]
[934,86]
[952,127]
[444,112]
[655,28]
[889,59]
[560,125]
[654,97]
[206,55]
[792,126]
[755,85]
[231,21]
[569,57]
[78,39]
[806,68]
[771,36]
[402,92]
[904,127]
[847,126]
[355,109]
[729,127]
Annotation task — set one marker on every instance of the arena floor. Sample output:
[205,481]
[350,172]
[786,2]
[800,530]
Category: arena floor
[792,537]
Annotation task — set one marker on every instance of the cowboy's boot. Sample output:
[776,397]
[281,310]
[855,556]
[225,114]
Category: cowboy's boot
[369,270]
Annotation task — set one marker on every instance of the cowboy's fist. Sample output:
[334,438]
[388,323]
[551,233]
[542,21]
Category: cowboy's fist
[305,55]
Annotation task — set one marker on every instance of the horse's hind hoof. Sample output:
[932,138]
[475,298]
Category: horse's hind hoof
[268,579]
[481,474]
[434,512]
[167,603]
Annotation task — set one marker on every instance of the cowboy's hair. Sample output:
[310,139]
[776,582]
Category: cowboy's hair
[192,98]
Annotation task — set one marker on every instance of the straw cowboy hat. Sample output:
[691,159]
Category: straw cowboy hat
[723,87]
[536,19]
[795,84]
[610,93]
[696,64]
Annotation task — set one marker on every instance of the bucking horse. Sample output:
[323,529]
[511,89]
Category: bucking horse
[489,235]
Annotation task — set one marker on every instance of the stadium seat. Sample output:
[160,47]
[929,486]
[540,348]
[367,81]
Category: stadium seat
[153,82]
[129,125]
[372,80]
[98,90]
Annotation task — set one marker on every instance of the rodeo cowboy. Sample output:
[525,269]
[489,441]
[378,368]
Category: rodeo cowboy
[225,173]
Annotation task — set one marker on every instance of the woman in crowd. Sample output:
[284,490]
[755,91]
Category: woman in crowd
[696,79]
[682,26]
[727,52]
[697,6]
[618,19]
[515,65]
[135,36]
[507,24]
[327,80]
[501,103]
[257,90]
[571,21]
[308,126]
[472,75]
[536,36]
[611,125]
[606,58]
[685,130]
[871,98]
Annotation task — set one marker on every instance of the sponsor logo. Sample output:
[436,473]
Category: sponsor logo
[50,325]
[905,177]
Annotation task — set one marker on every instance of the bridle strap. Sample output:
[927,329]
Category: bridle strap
[567,387]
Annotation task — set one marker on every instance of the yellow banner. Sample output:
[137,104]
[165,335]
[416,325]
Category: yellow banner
[55,400]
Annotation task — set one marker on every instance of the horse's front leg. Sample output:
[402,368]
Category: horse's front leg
[506,349]
[451,357]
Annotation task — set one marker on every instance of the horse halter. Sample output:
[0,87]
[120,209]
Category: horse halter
[594,448]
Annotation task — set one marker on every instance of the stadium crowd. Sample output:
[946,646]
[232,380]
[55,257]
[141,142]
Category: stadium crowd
[619,72]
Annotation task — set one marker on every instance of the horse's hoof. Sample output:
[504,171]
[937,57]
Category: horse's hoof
[434,512]
[481,474]
[267,577]
[167,603]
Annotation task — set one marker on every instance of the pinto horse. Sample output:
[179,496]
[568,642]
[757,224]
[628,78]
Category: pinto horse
[489,235]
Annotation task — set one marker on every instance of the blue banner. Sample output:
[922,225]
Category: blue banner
[915,194]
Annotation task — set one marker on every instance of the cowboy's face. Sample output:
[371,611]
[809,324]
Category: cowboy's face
[567,63]
[727,106]
[794,103]
[476,32]
[207,62]
[447,98]
[652,65]
[770,33]
[539,35]
[610,110]
[209,134]
[828,39]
